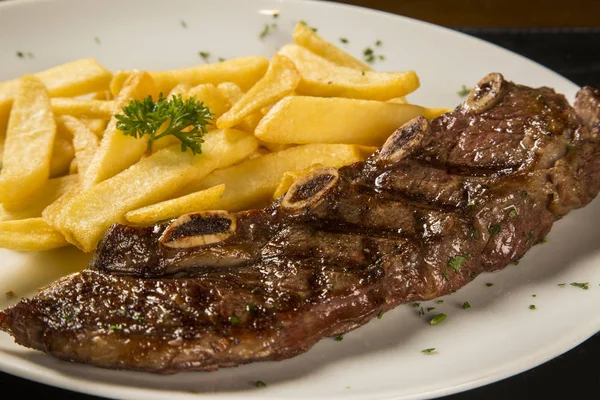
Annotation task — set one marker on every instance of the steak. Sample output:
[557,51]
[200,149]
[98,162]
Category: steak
[439,203]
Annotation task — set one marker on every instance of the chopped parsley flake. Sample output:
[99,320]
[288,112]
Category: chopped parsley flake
[430,309]
[97,40]
[489,284]
[362,73]
[532,307]
[523,194]
[381,57]
[494,229]
[344,40]
[380,315]
[512,213]
[20,54]
[538,97]
[233,320]
[440,302]
[421,312]
[416,305]
[221,59]
[378,43]
[466,305]
[260,384]
[428,351]
[115,328]
[183,24]
[437,319]
[251,308]
[533,295]
[464,91]
[544,240]
[266,30]
[204,54]
[562,284]
[339,338]
[445,275]
[456,262]
[475,233]
[583,285]
[369,55]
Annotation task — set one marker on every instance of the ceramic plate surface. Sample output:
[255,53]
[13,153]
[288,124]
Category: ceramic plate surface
[498,337]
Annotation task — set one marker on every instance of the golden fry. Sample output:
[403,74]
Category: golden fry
[117,151]
[34,206]
[231,91]
[168,209]
[82,108]
[302,120]
[244,72]
[306,37]
[32,234]
[29,141]
[321,77]
[86,215]
[281,79]
[72,79]
[251,183]
[85,143]
[211,97]
[98,126]
[63,152]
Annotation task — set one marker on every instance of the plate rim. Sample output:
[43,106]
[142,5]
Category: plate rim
[503,371]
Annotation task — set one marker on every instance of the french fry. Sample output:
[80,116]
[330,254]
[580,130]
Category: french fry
[281,79]
[29,140]
[252,182]
[274,147]
[98,126]
[85,143]
[249,123]
[32,234]
[180,89]
[244,72]
[290,177]
[306,37]
[82,108]
[211,97]
[86,215]
[399,100]
[117,151]
[321,77]
[2,139]
[301,120]
[231,91]
[168,209]
[75,78]
[431,113]
[34,206]
[102,95]
[62,151]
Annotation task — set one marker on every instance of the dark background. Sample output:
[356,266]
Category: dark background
[562,35]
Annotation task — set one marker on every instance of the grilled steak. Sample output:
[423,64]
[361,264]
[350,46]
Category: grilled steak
[439,203]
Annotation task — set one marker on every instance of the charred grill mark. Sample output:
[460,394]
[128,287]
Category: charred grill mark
[419,219]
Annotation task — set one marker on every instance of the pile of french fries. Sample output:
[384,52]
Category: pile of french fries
[68,173]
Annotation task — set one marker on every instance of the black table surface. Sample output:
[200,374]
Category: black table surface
[575,54]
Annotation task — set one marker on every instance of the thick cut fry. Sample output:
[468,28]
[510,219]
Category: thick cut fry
[211,97]
[82,108]
[2,139]
[32,234]
[306,37]
[281,79]
[303,120]
[68,80]
[290,177]
[87,215]
[29,141]
[321,77]
[117,151]
[85,143]
[34,206]
[252,182]
[180,89]
[168,209]
[231,91]
[103,95]
[98,126]
[431,113]
[63,152]
[244,72]
[399,100]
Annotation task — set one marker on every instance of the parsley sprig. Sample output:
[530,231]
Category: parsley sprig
[184,119]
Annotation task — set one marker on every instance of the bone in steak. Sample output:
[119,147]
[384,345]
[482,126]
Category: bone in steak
[441,202]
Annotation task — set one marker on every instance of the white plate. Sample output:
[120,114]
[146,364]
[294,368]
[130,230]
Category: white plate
[498,337]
